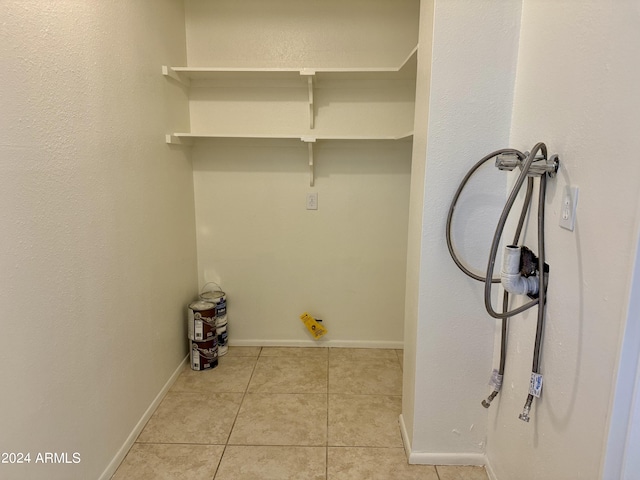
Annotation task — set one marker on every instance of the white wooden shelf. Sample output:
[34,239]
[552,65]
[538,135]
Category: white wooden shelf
[185,138]
[305,103]
[185,75]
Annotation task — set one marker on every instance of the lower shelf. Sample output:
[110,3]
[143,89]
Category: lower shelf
[187,138]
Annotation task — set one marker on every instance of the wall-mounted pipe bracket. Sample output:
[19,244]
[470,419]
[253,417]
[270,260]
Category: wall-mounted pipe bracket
[540,166]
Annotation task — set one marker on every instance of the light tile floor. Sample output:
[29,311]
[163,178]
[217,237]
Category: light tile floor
[276,413]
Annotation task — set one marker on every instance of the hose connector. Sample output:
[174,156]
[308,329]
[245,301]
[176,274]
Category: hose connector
[540,166]
[487,403]
[524,416]
[508,161]
[512,279]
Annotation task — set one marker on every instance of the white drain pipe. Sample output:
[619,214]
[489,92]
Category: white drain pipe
[512,280]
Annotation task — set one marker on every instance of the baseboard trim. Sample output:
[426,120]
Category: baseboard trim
[318,343]
[423,458]
[490,472]
[406,441]
[117,460]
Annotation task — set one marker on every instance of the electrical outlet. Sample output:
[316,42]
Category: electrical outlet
[312,201]
[568,207]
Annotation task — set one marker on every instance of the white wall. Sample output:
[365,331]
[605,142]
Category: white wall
[345,262]
[97,254]
[414,234]
[469,113]
[576,90]
[621,459]
[295,33]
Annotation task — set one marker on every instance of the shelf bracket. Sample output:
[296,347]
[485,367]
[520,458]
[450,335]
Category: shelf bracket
[175,140]
[310,74]
[310,141]
[310,87]
[170,72]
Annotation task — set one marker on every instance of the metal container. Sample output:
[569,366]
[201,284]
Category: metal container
[223,339]
[204,355]
[201,321]
[217,297]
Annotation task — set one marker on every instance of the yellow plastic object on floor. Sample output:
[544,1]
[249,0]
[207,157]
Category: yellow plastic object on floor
[313,326]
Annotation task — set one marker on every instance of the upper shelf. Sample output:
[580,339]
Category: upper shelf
[185,75]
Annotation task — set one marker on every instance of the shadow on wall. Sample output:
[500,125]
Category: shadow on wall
[561,417]
[331,157]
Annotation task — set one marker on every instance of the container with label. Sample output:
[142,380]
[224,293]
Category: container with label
[223,339]
[218,298]
[201,321]
[204,355]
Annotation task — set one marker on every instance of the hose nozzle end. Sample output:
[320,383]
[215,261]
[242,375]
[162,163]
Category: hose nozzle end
[524,416]
[487,403]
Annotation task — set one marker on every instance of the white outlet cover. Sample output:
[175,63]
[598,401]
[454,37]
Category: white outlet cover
[568,207]
[312,201]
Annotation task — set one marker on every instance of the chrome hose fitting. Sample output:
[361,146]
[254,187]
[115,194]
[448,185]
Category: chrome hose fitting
[540,166]
[487,403]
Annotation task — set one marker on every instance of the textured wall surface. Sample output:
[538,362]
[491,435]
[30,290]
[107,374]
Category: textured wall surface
[576,90]
[414,234]
[472,77]
[345,262]
[97,256]
[293,33]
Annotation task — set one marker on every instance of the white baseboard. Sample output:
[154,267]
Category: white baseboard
[490,473]
[422,458]
[318,343]
[406,441]
[115,463]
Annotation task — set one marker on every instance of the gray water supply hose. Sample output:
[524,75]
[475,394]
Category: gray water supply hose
[497,381]
[452,208]
[535,368]
[498,235]
[519,283]
[498,376]
[542,283]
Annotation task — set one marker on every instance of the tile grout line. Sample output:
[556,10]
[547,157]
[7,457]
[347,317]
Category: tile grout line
[326,458]
[244,394]
[328,393]
[377,447]
[295,445]
[326,444]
